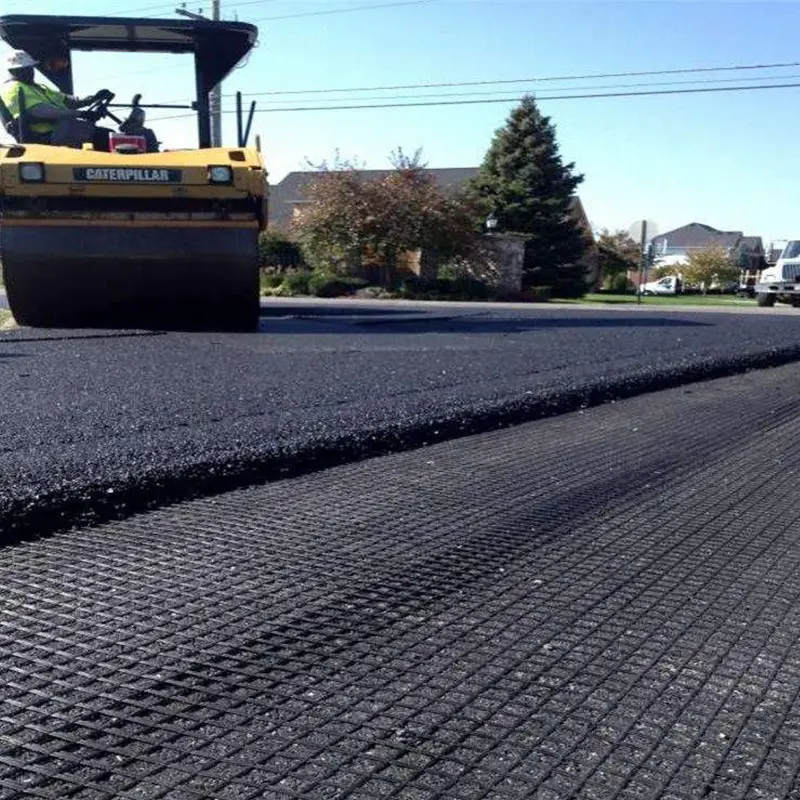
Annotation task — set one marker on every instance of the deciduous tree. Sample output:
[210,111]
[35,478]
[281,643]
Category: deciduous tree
[350,222]
[709,265]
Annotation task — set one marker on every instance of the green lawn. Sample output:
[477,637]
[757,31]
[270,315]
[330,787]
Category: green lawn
[667,300]
[5,319]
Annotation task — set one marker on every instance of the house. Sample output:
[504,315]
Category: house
[748,251]
[287,198]
[671,249]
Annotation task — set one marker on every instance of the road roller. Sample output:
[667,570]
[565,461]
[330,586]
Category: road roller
[118,235]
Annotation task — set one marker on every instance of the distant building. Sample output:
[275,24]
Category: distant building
[673,248]
[748,251]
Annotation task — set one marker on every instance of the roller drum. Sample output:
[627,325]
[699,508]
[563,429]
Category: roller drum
[173,278]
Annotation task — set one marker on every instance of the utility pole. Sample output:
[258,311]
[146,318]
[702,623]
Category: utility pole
[216,93]
[215,97]
[642,262]
[643,230]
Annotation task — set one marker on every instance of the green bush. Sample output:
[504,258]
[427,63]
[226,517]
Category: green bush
[452,271]
[294,283]
[275,249]
[322,284]
[284,291]
[618,284]
[271,280]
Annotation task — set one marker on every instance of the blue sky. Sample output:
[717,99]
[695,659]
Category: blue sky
[730,159]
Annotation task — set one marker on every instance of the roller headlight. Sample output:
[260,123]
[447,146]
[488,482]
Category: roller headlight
[220,175]
[31,172]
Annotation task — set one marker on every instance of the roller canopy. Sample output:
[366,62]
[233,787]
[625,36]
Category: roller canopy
[217,46]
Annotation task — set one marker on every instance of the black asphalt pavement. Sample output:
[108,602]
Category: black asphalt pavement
[95,420]
[599,606]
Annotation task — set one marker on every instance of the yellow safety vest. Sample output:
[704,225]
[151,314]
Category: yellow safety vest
[34,95]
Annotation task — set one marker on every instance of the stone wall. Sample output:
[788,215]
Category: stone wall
[501,262]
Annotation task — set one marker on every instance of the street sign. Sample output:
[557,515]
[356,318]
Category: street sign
[643,230]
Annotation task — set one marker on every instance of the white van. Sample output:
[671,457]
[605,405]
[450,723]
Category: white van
[667,285]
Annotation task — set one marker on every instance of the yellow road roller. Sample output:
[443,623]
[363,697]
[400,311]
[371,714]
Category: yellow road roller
[120,236]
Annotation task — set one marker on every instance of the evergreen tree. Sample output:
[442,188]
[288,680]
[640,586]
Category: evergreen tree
[524,182]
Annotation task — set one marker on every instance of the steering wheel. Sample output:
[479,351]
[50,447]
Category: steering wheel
[99,108]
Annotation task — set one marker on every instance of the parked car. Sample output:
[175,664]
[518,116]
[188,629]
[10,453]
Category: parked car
[726,287]
[671,284]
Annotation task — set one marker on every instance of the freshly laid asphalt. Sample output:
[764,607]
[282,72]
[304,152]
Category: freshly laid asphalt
[599,606]
[93,422]
[603,605]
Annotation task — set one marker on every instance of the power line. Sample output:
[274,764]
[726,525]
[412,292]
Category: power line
[516,93]
[550,78]
[588,96]
[541,98]
[324,12]
[176,116]
[169,8]
[328,11]
[158,10]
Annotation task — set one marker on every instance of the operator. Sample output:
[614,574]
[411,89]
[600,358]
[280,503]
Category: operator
[54,117]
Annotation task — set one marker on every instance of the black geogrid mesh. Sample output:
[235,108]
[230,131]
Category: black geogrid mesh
[605,605]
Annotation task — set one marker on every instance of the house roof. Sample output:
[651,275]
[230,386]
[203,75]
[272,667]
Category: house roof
[697,234]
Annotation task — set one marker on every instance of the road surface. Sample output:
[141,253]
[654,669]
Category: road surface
[602,605]
[93,421]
